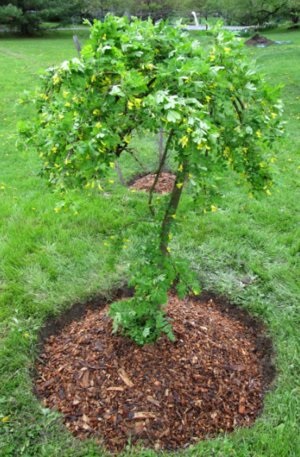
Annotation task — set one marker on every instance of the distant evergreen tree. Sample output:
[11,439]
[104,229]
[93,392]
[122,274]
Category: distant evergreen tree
[28,15]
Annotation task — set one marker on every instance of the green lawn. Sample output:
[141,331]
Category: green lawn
[50,259]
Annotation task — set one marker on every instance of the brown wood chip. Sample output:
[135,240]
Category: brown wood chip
[144,415]
[116,389]
[124,376]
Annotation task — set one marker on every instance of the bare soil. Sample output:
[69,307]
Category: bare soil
[166,395]
[164,184]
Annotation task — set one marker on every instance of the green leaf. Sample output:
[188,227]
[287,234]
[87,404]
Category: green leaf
[173,116]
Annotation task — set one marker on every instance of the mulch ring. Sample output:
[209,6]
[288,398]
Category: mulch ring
[259,40]
[166,395]
[164,184]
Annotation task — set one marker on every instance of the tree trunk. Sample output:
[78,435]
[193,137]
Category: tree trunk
[160,144]
[171,210]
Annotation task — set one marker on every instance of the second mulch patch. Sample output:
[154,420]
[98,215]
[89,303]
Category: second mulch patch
[168,395]
[164,184]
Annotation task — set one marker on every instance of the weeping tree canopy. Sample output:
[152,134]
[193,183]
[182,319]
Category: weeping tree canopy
[135,77]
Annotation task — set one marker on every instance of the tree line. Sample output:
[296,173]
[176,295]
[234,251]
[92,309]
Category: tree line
[28,16]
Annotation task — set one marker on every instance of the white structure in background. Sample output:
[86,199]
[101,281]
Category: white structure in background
[195,19]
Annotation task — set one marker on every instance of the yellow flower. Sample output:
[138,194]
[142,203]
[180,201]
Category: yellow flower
[200,145]
[56,79]
[184,141]
[227,50]
[127,138]
[179,185]
[93,78]
[130,105]
[213,208]
[112,164]
[96,112]
[212,57]
[65,93]
[67,104]
[273,115]
[149,66]
[180,168]
[258,133]
[168,249]
[5,419]
[98,125]
[137,102]
[57,209]
[208,98]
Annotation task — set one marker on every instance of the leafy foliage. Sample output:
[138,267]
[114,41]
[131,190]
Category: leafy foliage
[137,76]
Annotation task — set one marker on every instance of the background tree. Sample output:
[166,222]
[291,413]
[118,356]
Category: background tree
[256,11]
[27,16]
[292,9]
[136,77]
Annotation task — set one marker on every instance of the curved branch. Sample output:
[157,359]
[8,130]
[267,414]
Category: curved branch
[238,111]
[159,170]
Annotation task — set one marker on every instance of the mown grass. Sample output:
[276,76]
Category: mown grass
[49,259]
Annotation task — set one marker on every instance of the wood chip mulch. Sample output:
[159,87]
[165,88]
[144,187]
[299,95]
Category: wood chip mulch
[164,184]
[258,40]
[168,395]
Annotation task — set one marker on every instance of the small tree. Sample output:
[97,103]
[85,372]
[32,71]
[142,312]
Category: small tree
[137,76]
